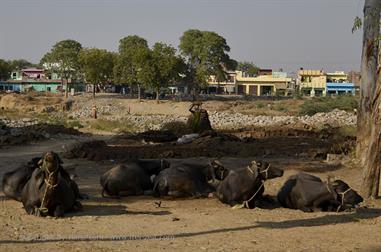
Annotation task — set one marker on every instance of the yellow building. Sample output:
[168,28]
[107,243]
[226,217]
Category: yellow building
[312,82]
[226,86]
[263,84]
[274,84]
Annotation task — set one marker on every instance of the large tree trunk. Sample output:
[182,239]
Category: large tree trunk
[157,94]
[139,92]
[369,118]
[64,84]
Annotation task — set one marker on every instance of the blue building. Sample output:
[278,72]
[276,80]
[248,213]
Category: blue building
[334,88]
[10,86]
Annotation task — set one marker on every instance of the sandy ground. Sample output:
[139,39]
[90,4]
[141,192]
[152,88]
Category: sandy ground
[137,224]
[187,225]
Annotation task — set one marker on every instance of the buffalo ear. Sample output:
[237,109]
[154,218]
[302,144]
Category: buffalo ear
[40,162]
[216,162]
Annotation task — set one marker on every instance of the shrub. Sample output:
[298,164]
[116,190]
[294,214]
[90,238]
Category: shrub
[260,105]
[327,104]
[113,125]
[177,127]
[280,108]
[73,124]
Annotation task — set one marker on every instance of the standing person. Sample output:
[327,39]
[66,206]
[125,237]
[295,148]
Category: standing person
[94,112]
[199,120]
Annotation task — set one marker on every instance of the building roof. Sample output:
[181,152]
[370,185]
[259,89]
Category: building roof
[32,81]
[263,78]
[311,72]
[337,74]
[32,70]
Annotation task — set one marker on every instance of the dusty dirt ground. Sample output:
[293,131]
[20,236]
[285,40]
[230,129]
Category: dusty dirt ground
[137,224]
[187,225]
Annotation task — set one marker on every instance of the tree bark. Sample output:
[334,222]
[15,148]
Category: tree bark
[94,91]
[157,94]
[66,89]
[369,119]
[139,92]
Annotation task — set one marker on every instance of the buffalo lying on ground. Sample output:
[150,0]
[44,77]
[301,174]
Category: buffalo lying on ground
[50,190]
[309,194]
[14,181]
[133,178]
[188,179]
[245,185]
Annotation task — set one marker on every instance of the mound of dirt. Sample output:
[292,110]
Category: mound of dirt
[54,129]
[90,150]
[22,135]
[31,102]
[154,136]
[216,144]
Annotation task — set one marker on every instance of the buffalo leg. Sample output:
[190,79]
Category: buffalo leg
[77,206]
[58,211]
[176,194]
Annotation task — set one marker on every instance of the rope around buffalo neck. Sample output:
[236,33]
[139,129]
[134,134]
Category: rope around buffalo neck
[48,185]
[266,171]
[246,202]
[342,198]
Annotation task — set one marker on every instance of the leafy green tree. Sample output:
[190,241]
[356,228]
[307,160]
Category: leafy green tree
[19,64]
[249,68]
[165,65]
[131,63]
[5,70]
[63,60]
[206,54]
[97,66]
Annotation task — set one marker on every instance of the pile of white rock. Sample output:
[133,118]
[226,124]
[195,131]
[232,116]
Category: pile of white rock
[225,120]
[335,118]
[24,122]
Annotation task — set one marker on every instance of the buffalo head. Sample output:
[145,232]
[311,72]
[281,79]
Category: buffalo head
[346,196]
[218,170]
[50,162]
[266,170]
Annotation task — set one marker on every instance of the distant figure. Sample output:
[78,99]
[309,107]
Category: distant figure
[199,120]
[94,112]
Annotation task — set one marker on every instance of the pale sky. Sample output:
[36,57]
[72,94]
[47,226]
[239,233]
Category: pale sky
[274,34]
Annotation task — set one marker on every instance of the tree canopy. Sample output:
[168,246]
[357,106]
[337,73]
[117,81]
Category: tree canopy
[206,53]
[248,67]
[133,54]
[63,59]
[5,69]
[166,66]
[97,65]
[19,64]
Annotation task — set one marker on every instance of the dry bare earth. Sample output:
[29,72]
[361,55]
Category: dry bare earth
[203,224]
[196,224]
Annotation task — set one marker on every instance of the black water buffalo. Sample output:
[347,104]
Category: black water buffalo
[133,178]
[188,179]
[245,185]
[309,194]
[14,181]
[50,190]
